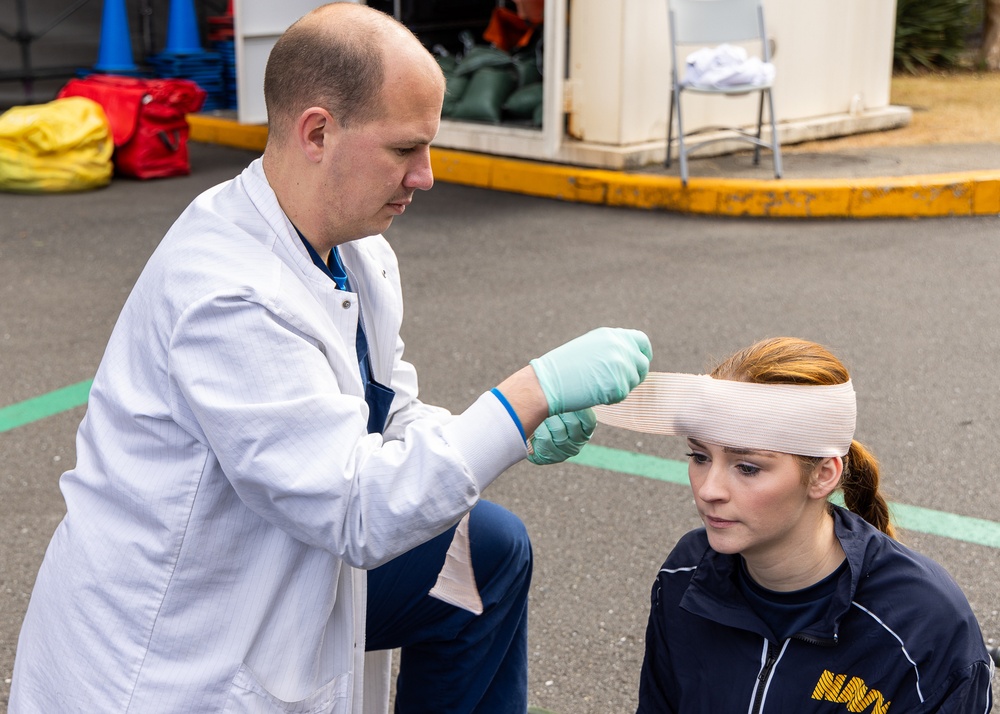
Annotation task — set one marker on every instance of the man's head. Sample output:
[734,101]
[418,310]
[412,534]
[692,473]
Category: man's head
[353,102]
[321,60]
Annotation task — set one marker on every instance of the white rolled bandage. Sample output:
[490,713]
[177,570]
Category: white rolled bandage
[806,420]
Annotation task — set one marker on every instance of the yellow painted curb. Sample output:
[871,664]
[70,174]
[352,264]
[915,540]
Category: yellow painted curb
[226,132]
[976,193]
[950,195]
[986,200]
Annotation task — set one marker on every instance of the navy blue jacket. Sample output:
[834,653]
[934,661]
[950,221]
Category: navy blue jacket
[899,637]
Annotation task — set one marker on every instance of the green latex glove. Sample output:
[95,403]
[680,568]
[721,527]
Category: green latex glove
[561,437]
[600,367]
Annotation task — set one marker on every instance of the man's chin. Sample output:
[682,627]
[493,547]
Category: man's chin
[379,225]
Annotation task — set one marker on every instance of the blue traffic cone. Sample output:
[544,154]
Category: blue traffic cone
[114,54]
[182,29]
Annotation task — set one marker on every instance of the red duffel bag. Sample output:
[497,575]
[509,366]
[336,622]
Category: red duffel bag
[148,120]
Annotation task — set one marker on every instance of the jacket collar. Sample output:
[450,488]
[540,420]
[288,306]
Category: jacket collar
[714,594]
[361,265]
[286,240]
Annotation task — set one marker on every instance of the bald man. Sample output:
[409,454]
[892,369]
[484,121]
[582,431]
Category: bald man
[253,444]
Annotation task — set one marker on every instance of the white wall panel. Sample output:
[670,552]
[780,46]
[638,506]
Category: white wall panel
[257,26]
[833,61]
[831,56]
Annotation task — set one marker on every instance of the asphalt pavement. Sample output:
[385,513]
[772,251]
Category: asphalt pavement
[493,278]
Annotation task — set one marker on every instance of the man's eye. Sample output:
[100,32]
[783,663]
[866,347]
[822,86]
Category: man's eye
[404,152]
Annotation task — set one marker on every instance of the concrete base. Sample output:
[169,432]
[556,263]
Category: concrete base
[523,143]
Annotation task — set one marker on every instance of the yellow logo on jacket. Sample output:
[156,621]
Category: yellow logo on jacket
[853,692]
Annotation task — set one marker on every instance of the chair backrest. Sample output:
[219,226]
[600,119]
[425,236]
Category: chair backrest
[715,21]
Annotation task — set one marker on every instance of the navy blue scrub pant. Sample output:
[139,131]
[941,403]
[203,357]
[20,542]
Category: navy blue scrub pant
[451,661]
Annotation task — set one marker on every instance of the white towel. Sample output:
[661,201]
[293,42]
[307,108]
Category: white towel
[726,66]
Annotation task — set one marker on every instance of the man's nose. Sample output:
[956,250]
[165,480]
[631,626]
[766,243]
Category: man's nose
[420,176]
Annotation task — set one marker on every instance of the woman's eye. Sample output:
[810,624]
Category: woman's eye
[697,458]
[748,469]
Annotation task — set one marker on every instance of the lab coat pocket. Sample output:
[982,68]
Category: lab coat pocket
[248,696]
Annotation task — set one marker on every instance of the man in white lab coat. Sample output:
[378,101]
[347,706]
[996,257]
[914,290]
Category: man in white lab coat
[254,443]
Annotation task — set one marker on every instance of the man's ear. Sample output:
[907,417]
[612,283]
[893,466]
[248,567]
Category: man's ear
[311,130]
[826,477]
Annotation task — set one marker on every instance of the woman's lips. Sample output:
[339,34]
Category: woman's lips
[715,522]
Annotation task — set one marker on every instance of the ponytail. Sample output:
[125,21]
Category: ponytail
[860,483]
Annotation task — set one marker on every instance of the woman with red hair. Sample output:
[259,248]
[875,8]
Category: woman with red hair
[784,601]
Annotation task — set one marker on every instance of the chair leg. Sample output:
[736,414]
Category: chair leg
[775,142]
[760,123]
[670,127]
[681,151]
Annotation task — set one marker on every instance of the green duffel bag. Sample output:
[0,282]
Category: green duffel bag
[454,91]
[526,65]
[522,102]
[454,84]
[481,56]
[484,96]
[447,63]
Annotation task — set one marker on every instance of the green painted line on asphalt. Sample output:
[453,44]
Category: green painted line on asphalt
[914,518]
[948,525]
[47,405]
[629,462]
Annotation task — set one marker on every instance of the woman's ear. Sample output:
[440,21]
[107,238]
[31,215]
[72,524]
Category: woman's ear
[826,477]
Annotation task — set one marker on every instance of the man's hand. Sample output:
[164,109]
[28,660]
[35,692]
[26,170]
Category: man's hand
[600,367]
[561,437]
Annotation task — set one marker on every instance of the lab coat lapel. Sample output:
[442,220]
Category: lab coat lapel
[340,307]
[371,281]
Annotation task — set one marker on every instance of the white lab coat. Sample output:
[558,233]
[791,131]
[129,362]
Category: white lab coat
[226,497]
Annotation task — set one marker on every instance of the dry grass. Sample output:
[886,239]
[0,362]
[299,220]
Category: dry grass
[952,108]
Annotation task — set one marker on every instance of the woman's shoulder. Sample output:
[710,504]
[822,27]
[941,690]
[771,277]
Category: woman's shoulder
[920,608]
[900,587]
[887,565]
[896,570]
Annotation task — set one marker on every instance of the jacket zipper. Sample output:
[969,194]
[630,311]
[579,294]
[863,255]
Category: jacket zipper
[820,641]
[763,677]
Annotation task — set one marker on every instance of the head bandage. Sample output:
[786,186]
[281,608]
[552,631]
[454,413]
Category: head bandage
[805,420]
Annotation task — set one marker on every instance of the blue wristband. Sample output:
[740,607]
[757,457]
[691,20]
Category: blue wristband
[510,410]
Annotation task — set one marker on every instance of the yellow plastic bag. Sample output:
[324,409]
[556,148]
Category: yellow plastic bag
[64,145]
